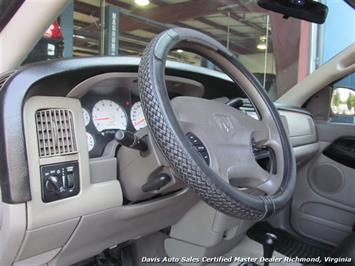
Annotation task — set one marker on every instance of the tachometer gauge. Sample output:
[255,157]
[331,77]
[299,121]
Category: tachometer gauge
[90,140]
[137,116]
[107,114]
[86,116]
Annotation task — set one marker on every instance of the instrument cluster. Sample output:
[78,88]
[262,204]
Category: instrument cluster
[105,114]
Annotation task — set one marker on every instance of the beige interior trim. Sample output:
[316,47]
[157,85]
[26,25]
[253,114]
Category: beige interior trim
[341,65]
[83,225]
[13,50]
[92,197]
[12,231]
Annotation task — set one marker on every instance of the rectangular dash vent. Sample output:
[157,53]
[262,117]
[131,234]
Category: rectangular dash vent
[55,132]
[4,77]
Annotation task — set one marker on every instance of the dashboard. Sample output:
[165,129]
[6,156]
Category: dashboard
[108,107]
[99,96]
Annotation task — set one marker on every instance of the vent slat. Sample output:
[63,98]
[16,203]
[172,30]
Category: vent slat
[71,131]
[60,114]
[66,127]
[49,133]
[55,132]
[46,131]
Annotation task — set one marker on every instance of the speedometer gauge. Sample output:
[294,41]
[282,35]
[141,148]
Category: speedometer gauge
[107,114]
[137,116]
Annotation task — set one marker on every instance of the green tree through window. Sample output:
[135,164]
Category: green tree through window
[336,99]
[351,101]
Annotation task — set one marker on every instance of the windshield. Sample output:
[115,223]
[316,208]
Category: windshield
[277,51]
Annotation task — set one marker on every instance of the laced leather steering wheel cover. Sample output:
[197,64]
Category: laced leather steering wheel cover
[171,141]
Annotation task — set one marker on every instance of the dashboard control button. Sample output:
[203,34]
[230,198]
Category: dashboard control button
[198,146]
[193,139]
[70,180]
[206,157]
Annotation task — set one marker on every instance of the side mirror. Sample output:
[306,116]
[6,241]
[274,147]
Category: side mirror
[308,10]
[343,102]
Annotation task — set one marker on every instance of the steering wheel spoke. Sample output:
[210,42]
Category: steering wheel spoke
[247,174]
[250,172]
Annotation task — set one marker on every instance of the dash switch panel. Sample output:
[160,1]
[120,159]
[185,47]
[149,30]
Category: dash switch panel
[199,147]
[60,181]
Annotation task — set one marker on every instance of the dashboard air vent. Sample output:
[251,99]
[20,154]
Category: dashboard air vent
[4,78]
[55,132]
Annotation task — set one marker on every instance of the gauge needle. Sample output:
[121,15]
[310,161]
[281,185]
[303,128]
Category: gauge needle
[140,121]
[103,118]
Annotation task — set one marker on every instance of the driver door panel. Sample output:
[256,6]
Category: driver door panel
[323,207]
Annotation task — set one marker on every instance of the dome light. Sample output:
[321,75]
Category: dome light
[262,46]
[142,2]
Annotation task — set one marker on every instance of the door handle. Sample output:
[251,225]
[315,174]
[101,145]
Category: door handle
[342,151]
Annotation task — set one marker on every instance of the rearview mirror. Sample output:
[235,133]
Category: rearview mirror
[303,9]
[343,102]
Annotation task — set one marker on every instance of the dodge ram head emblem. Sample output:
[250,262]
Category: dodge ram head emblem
[225,123]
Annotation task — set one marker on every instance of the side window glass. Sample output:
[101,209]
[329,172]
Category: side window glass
[343,105]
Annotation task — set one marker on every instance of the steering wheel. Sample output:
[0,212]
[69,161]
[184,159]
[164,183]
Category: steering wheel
[230,137]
